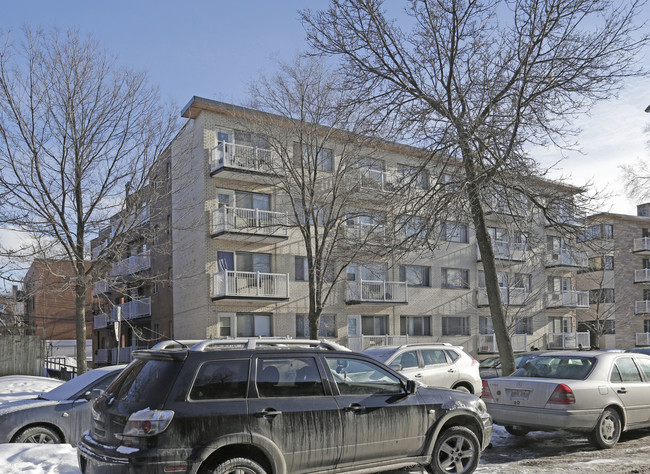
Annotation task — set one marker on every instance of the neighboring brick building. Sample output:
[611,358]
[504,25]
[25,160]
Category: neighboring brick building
[49,299]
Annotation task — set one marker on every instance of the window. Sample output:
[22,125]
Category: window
[556,284]
[601,295]
[485,325]
[301,269]
[326,326]
[455,326]
[244,261]
[646,325]
[374,325]
[418,177]
[244,324]
[524,326]
[625,370]
[599,231]
[522,280]
[555,243]
[411,226]
[408,360]
[454,232]
[323,158]
[502,278]
[646,295]
[434,357]
[455,278]
[284,377]
[360,377]
[415,325]
[366,271]
[599,263]
[221,379]
[414,275]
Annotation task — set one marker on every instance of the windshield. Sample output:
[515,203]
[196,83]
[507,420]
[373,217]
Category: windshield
[382,354]
[489,362]
[561,367]
[79,385]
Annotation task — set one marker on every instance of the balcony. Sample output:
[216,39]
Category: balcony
[642,245]
[250,285]
[233,159]
[643,338]
[101,321]
[567,299]
[487,343]
[101,287]
[568,340]
[376,291]
[642,307]
[509,296]
[361,343]
[249,224]
[132,264]
[567,258]
[133,309]
[504,250]
[371,233]
[642,276]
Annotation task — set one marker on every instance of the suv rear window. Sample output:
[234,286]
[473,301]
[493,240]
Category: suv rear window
[139,385]
[220,380]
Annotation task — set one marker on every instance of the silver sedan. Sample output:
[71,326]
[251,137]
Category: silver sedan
[598,393]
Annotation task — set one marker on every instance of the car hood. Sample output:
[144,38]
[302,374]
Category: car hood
[18,405]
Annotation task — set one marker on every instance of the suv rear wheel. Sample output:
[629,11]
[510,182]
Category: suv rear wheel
[456,450]
[239,466]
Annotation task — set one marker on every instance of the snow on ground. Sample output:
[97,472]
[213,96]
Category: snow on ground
[16,387]
[18,458]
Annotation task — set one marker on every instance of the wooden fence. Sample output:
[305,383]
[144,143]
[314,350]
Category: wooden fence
[22,351]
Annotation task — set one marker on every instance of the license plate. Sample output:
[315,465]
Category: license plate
[518,394]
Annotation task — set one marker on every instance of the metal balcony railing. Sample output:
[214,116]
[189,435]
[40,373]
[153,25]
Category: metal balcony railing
[642,307]
[567,299]
[377,291]
[643,338]
[250,221]
[132,309]
[132,264]
[641,276]
[100,287]
[360,343]
[641,244]
[245,157]
[250,284]
[372,233]
[488,343]
[509,296]
[568,340]
[567,258]
[101,321]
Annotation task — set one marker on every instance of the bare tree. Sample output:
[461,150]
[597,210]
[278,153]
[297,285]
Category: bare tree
[470,83]
[77,130]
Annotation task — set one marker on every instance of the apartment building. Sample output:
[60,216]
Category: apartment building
[132,298]
[240,267]
[617,279]
[12,307]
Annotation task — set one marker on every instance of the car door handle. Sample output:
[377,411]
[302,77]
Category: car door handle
[418,376]
[451,370]
[354,408]
[268,413]
[621,390]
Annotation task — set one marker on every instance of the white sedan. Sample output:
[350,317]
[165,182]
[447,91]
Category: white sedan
[598,393]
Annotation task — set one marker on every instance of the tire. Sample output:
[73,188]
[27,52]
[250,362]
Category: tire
[238,466]
[456,450]
[38,434]
[607,431]
[516,430]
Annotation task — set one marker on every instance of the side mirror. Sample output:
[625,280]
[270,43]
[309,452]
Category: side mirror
[411,387]
[396,367]
[92,394]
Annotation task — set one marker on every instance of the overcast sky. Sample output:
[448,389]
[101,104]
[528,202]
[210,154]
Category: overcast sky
[213,49]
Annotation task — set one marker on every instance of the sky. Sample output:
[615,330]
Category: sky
[214,49]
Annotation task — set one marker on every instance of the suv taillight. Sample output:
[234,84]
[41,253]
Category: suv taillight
[148,422]
[486,394]
[562,395]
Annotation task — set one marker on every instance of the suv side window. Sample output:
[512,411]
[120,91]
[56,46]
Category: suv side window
[407,360]
[221,379]
[283,377]
[453,355]
[359,377]
[433,356]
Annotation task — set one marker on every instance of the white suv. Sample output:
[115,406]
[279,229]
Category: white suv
[433,364]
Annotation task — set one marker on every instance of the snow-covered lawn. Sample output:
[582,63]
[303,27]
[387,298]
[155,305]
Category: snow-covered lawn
[18,458]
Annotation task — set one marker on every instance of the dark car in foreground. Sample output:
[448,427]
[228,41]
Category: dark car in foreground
[598,393]
[58,416]
[275,405]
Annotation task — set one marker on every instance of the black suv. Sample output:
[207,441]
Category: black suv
[271,405]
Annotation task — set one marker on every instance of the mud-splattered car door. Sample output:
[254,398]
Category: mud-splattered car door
[296,410]
[380,419]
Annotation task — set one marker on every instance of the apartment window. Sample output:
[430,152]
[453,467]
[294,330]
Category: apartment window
[301,269]
[609,326]
[322,157]
[522,280]
[485,325]
[646,325]
[415,275]
[502,278]
[599,231]
[374,325]
[524,326]
[454,232]
[498,234]
[601,295]
[366,271]
[557,284]
[554,243]
[418,177]
[244,324]
[410,226]
[156,331]
[455,278]
[455,326]
[646,295]
[244,261]
[415,325]
[602,262]
[326,326]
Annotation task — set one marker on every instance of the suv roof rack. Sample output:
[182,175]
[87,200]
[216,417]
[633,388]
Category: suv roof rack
[247,343]
[446,344]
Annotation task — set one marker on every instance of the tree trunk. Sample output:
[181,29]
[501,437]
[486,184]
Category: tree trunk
[80,324]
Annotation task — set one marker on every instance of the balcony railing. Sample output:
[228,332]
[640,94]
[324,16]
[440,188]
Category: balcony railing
[100,287]
[244,157]
[642,276]
[504,250]
[567,258]
[567,299]
[568,340]
[132,264]
[642,244]
[229,283]
[509,296]
[488,343]
[371,233]
[360,343]
[643,338]
[642,307]
[132,309]
[249,221]
[101,321]
[377,291]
